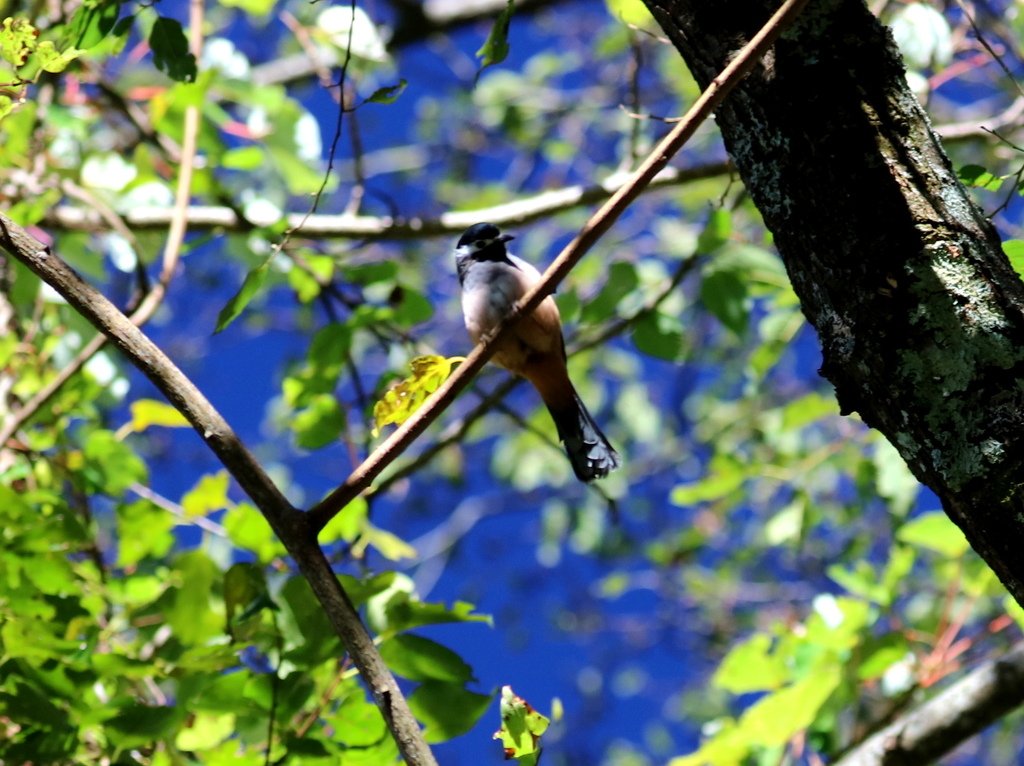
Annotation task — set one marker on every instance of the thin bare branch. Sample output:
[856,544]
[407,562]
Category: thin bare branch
[516,212]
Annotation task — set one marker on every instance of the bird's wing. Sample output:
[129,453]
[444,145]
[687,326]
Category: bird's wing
[542,330]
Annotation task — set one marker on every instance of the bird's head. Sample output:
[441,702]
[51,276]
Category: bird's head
[483,241]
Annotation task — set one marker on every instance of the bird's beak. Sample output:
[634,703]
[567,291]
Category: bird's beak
[505,237]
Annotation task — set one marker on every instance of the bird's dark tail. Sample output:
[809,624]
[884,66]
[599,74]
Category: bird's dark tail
[590,454]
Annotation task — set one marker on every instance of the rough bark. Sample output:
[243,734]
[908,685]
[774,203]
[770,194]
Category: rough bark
[918,312]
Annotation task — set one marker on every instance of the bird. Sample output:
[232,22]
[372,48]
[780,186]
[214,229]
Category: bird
[492,281]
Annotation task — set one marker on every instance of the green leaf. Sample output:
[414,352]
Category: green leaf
[521,728]
[716,231]
[403,611]
[111,465]
[496,49]
[388,94]
[659,335]
[320,423]
[773,720]
[243,158]
[249,530]
[245,596]
[980,178]
[191,610]
[447,710]
[252,7]
[420,659]
[52,60]
[622,280]
[150,412]
[413,307]
[358,723]
[170,50]
[751,666]
[882,653]
[250,287]
[724,476]
[205,730]
[208,495]
[632,12]
[1014,249]
[92,22]
[143,529]
[724,294]
[309,637]
[935,532]
[894,480]
[346,524]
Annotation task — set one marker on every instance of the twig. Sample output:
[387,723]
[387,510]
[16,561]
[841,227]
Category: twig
[177,511]
[594,229]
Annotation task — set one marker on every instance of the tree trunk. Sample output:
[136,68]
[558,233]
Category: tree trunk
[918,311]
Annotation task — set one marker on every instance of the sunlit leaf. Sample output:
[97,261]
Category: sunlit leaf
[205,730]
[402,400]
[112,465]
[775,719]
[209,494]
[935,532]
[346,524]
[151,412]
[92,22]
[751,666]
[1014,249]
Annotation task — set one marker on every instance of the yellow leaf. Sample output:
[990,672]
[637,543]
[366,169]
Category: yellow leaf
[402,400]
[150,412]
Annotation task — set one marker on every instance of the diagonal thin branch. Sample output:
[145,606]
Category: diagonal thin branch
[359,480]
[928,732]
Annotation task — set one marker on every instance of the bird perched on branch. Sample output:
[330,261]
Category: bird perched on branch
[492,282]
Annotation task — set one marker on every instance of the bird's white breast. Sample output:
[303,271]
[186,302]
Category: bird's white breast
[489,291]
